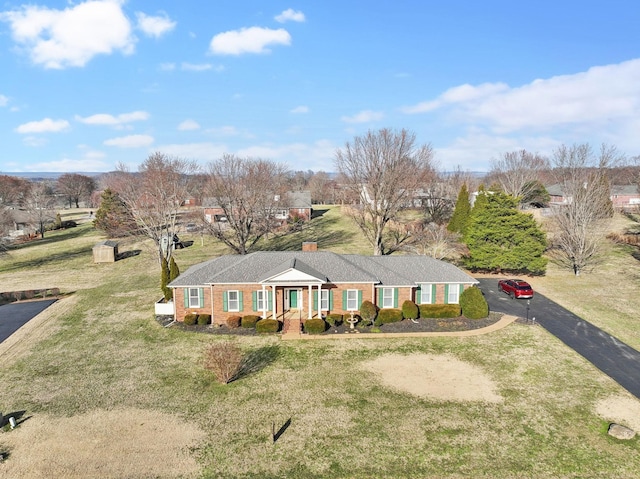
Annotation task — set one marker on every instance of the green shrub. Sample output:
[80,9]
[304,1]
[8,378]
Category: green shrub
[388,315]
[440,310]
[334,319]
[234,321]
[315,326]
[368,311]
[190,319]
[268,326]
[473,303]
[204,319]
[250,320]
[410,310]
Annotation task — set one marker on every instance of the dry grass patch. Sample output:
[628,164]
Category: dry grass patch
[624,410]
[440,377]
[128,443]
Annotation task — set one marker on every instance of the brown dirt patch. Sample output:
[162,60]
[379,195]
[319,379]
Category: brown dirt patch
[443,377]
[623,410]
[126,443]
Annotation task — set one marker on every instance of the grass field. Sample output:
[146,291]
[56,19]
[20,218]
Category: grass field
[107,392]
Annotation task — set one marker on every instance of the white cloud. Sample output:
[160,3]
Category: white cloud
[66,165]
[189,124]
[224,131]
[600,97]
[290,15]
[167,67]
[43,126]
[4,100]
[298,156]
[34,141]
[110,120]
[196,151]
[73,36]
[300,109]
[155,26]
[196,67]
[364,116]
[248,40]
[131,141]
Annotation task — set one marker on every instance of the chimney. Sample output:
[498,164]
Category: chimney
[309,246]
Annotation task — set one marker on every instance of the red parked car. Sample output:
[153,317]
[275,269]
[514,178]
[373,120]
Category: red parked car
[516,288]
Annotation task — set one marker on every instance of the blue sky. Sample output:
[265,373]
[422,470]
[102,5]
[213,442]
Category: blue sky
[86,85]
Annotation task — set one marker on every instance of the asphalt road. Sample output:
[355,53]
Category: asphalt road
[14,315]
[613,357]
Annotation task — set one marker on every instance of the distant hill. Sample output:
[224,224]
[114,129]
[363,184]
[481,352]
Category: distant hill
[46,175]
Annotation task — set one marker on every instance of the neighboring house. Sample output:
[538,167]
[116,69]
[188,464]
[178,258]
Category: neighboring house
[297,204]
[310,284]
[622,196]
[23,224]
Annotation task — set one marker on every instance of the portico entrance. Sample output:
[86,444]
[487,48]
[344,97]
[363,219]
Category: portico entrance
[294,299]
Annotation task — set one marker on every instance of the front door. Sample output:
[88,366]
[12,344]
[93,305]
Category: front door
[293,299]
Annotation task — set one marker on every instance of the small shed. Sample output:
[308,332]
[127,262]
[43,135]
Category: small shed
[105,252]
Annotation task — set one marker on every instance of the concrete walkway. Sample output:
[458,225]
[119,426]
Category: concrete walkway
[503,322]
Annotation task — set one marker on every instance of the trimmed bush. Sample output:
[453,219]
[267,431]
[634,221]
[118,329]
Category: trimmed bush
[368,311]
[190,319]
[234,321]
[250,320]
[268,326]
[410,310]
[315,326]
[334,319]
[440,310]
[204,319]
[473,303]
[388,315]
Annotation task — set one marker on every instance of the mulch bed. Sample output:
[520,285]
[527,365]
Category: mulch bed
[422,325]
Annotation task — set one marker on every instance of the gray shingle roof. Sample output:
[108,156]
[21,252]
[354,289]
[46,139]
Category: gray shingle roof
[325,265]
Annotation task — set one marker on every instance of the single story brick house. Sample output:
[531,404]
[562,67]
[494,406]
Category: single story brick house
[310,284]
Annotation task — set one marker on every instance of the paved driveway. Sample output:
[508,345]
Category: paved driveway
[613,357]
[14,315]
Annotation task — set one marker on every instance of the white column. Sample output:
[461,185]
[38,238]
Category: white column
[310,294]
[319,301]
[273,300]
[265,301]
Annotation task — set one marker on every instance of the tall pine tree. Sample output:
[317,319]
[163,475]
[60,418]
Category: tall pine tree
[460,217]
[113,217]
[502,239]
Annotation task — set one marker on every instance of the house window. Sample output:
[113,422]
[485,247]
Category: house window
[324,299]
[387,297]
[426,294]
[233,300]
[453,294]
[261,300]
[352,299]
[194,298]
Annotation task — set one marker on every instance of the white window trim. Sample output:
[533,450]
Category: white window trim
[387,299]
[236,308]
[454,290]
[324,300]
[428,288]
[194,301]
[261,300]
[352,301]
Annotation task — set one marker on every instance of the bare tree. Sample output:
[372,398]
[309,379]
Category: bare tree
[76,187]
[13,190]
[581,224]
[439,198]
[154,195]
[249,192]
[518,172]
[40,205]
[384,169]
[435,240]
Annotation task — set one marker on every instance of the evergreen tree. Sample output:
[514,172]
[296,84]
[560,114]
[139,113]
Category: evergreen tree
[461,213]
[113,217]
[500,238]
[174,271]
[164,280]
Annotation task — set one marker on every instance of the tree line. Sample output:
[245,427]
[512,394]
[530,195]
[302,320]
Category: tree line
[391,187]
